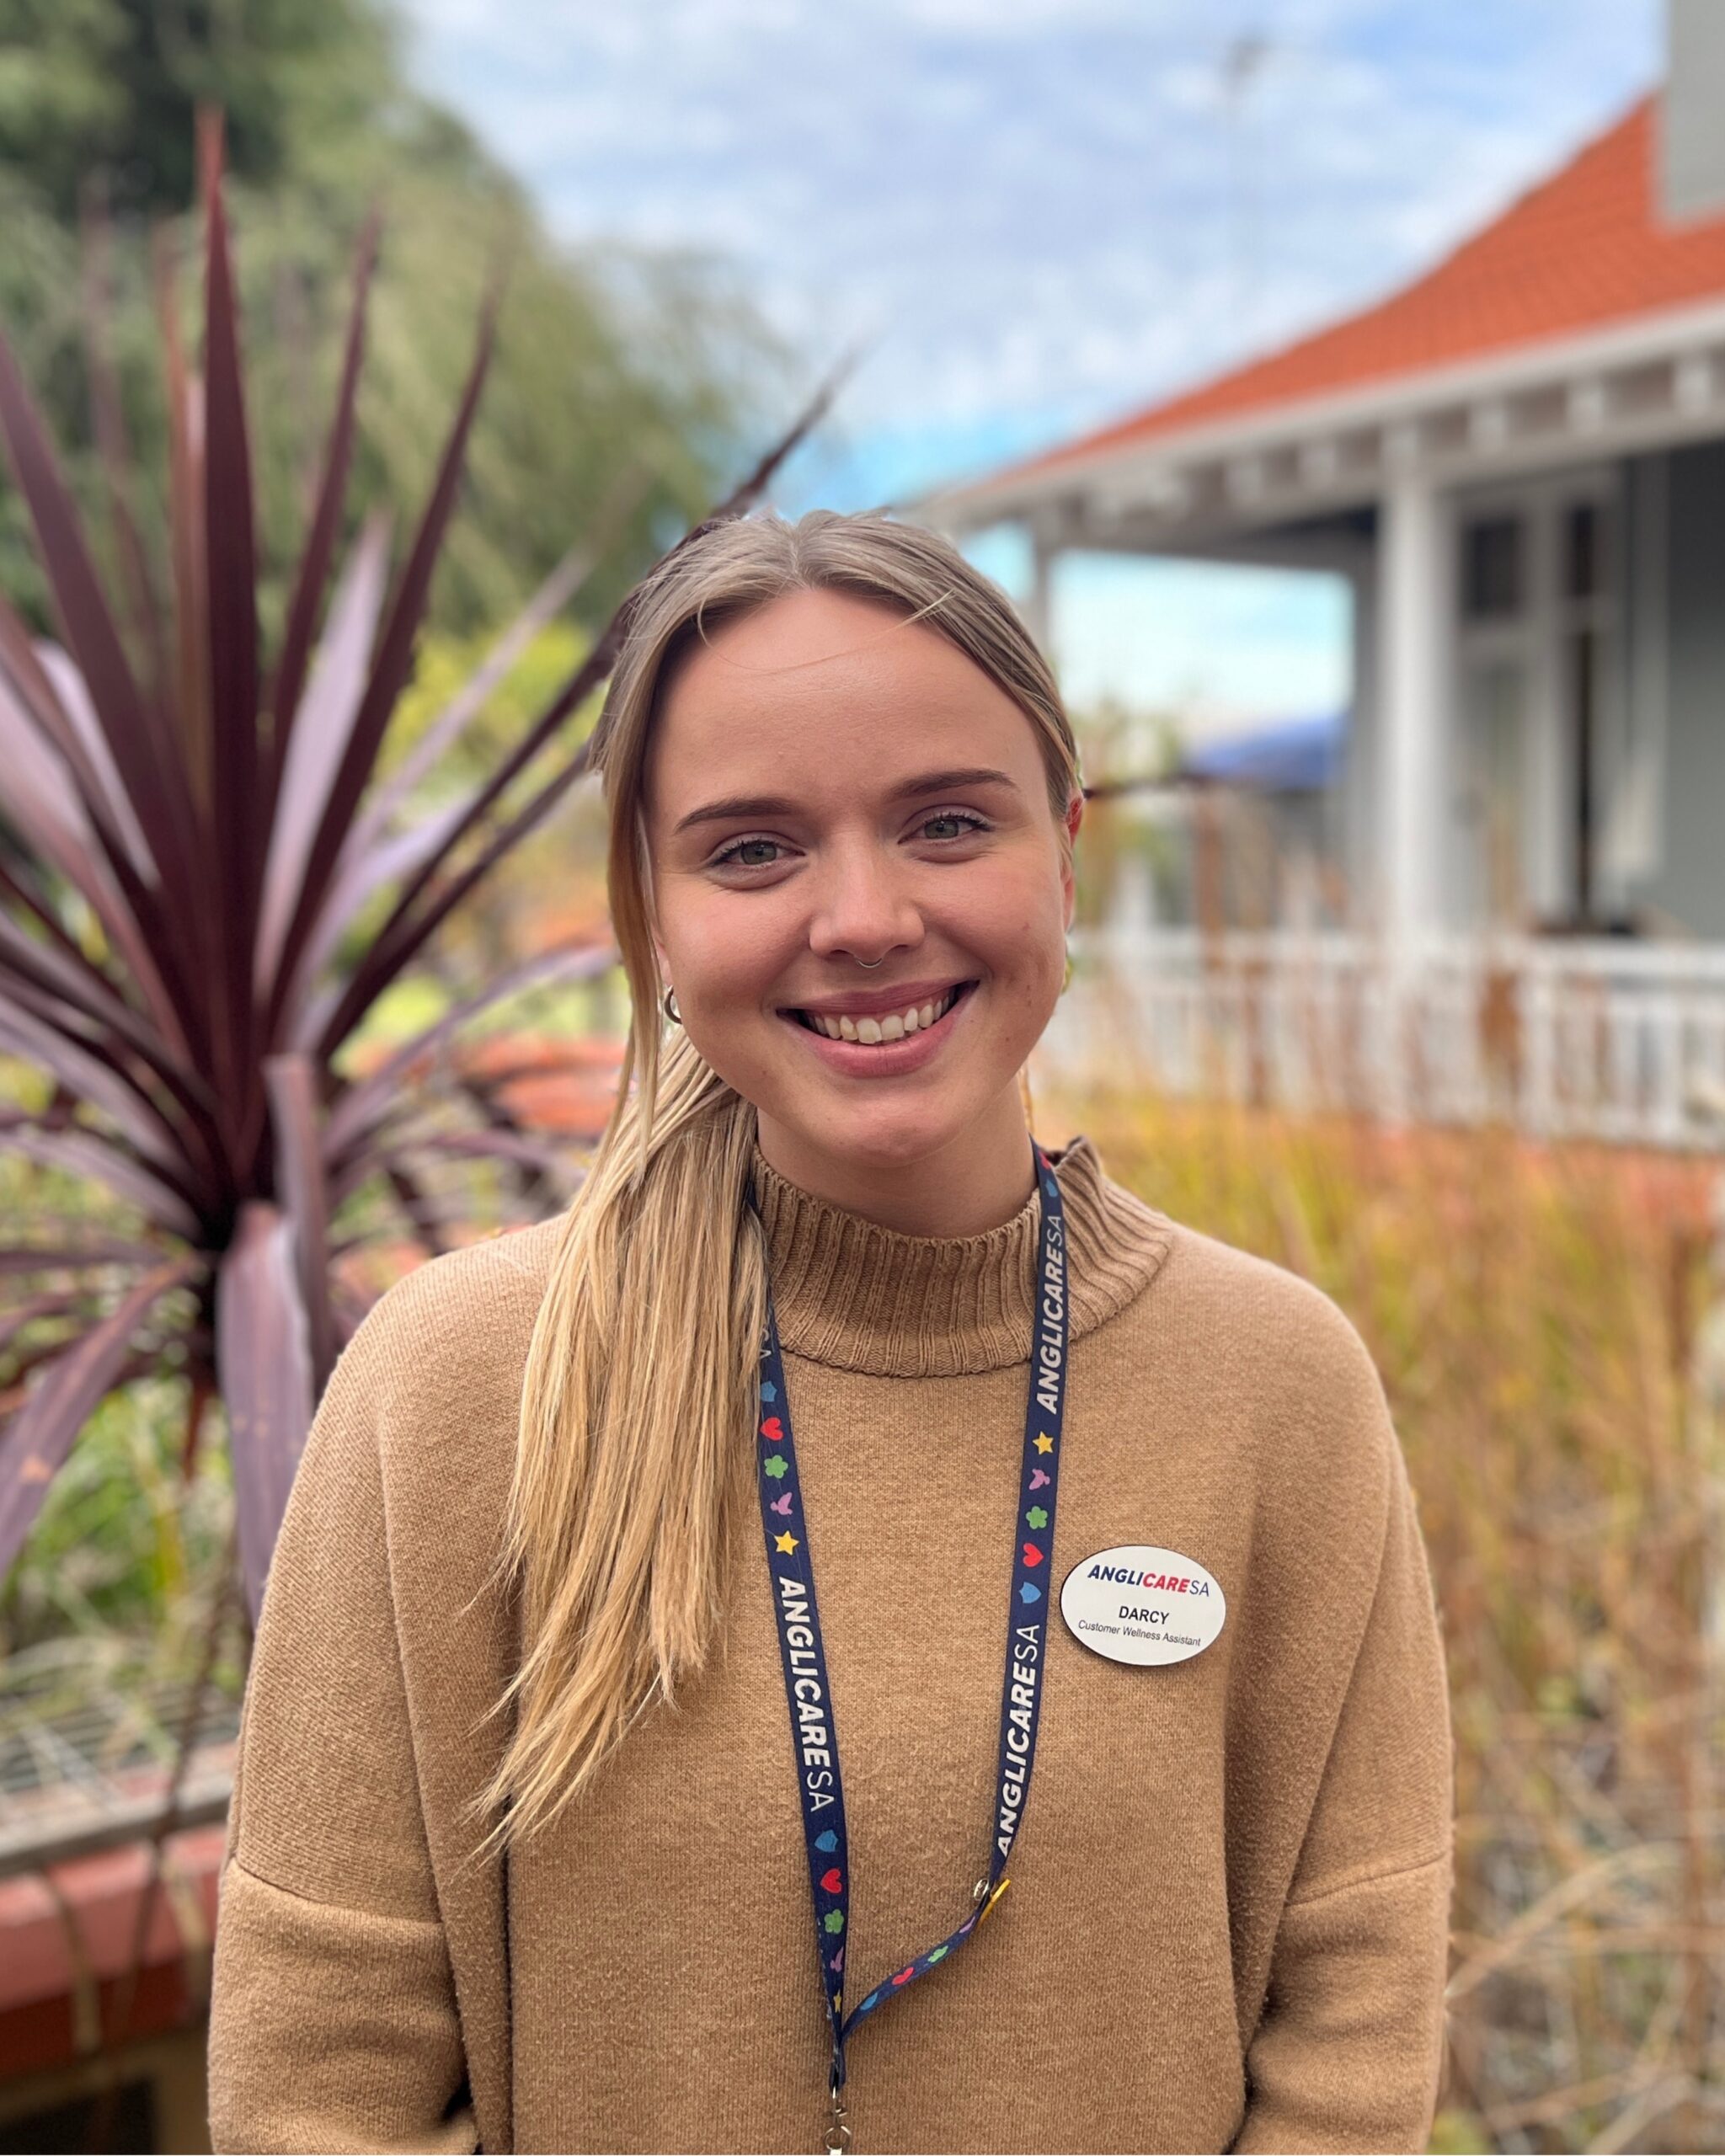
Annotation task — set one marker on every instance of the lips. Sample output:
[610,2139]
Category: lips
[855,1059]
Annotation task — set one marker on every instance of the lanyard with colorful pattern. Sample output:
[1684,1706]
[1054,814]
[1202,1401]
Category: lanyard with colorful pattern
[813,1734]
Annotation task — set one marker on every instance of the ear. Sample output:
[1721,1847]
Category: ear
[1075,817]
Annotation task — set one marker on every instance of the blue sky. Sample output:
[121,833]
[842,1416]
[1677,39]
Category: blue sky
[1038,214]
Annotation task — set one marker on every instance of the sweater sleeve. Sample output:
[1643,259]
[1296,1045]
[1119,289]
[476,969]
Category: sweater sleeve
[1348,2050]
[332,2018]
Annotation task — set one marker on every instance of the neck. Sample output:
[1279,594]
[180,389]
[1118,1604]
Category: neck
[979,1181]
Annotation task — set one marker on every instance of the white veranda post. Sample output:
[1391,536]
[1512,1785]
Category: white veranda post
[1414,584]
[1037,605]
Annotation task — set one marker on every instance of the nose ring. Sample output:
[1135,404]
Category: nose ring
[870,964]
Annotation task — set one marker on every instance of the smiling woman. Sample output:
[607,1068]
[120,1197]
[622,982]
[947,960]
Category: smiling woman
[895,813]
[513,1860]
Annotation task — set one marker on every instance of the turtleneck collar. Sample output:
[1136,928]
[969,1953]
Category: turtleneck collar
[861,1297]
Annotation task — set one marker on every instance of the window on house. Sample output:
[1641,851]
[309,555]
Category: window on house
[1584,551]
[1585,539]
[1493,568]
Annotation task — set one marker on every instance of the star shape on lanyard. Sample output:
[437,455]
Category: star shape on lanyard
[787,1542]
[1045,1444]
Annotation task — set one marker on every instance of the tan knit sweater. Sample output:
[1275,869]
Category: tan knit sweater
[1226,1923]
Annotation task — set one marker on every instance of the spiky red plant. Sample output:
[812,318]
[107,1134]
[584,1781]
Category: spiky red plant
[193,837]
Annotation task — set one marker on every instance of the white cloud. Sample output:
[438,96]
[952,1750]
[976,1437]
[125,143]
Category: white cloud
[1039,213]
[1046,200]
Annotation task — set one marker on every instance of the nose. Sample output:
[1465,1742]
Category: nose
[864,908]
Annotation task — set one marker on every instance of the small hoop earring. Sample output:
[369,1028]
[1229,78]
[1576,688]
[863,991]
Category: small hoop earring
[672,1011]
[1066,977]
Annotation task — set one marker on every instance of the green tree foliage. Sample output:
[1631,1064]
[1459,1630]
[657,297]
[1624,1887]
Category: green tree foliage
[616,385]
[112,85]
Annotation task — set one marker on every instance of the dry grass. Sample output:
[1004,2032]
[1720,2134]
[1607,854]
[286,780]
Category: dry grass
[1533,1311]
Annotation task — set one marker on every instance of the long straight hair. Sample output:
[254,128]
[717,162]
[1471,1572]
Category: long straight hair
[640,1375]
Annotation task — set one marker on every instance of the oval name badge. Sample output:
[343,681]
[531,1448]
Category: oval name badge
[1142,1604]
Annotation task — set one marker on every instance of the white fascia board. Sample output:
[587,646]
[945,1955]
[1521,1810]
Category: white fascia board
[1673,334]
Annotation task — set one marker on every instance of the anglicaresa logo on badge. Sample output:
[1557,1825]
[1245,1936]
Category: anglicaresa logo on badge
[1143,1604]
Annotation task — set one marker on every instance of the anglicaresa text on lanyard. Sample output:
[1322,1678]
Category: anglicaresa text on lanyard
[808,1695]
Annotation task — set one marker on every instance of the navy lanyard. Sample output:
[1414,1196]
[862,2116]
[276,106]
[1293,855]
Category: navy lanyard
[808,1695]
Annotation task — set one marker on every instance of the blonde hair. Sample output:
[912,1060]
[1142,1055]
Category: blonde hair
[641,1374]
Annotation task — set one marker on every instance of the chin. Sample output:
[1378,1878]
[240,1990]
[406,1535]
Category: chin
[885,1136]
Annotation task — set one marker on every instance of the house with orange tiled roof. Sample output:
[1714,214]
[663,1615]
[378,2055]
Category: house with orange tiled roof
[1517,462]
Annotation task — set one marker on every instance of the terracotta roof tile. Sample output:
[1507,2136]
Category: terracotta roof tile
[1583,248]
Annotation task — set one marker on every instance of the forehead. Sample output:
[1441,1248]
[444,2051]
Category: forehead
[824,691]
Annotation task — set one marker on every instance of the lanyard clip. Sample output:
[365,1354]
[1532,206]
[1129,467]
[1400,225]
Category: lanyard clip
[838,2134]
[987,1898]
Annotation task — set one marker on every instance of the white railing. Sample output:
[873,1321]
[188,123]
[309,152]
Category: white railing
[1616,1040]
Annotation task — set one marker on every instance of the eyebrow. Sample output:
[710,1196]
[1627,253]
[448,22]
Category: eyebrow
[738,806]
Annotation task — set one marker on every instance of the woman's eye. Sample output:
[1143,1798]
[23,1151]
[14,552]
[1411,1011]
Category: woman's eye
[747,853]
[950,823]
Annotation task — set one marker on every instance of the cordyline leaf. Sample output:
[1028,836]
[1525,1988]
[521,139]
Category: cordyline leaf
[263,1368]
[193,933]
[40,1434]
[555,592]
[31,686]
[539,1173]
[419,1211]
[749,488]
[29,683]
[389,676]
[24,986]
[391,796]
[26,965]
[55,819]
[326,520]
[84,723]
[321,734]
[231,572]
[80,986]
[21,882]
[360,1106]
[108,425]
[486,1145]
[187,535]
[51,818]
[67,1303]
[22,1258]
[151,905]
[292,1083]
[85,1074]
[19,658]
[362,874]
[91,1153]
[404,934]
[143,759]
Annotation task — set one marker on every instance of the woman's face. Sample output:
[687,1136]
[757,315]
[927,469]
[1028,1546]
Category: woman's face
[849,834]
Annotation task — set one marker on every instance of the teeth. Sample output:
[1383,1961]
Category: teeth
[893,1027]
